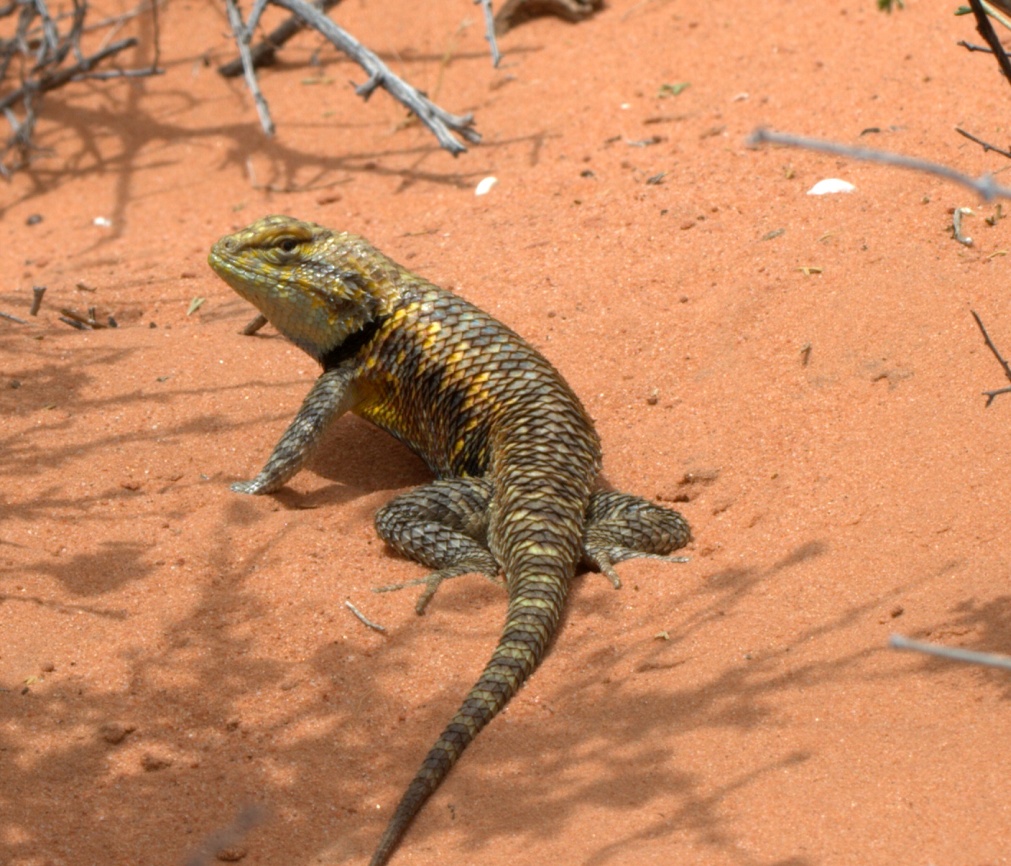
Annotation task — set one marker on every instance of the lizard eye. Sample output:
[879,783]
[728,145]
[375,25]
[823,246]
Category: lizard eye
[288,245]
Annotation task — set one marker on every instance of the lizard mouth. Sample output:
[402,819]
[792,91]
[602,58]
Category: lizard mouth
[227,265]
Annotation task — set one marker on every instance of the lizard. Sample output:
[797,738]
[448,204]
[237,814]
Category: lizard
[515,455]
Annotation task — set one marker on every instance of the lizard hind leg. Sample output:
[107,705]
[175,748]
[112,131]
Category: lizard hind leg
[620,526]
[442,525]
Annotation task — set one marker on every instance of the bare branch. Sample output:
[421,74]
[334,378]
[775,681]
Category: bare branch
[1000,358]
[985,186]
[489,31]
[265,51]
[441,123]
[984,144]
[985,29]
[994,660]
[39,48]
[254,15]
[242,36]
[57,79]
[972,46]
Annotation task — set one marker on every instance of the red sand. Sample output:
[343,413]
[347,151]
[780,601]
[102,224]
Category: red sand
[820,391]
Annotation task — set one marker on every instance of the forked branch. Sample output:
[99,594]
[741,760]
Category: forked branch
[443,125]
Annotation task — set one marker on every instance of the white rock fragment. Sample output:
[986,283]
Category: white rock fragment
[484,187]
[104,222]
[831,185]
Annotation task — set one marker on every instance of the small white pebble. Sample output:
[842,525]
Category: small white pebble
[484,187]
[104,222]
[831,185]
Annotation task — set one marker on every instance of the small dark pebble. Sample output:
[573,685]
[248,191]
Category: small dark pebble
[34,219]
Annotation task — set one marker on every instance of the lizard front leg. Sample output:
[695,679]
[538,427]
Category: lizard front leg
[330,397]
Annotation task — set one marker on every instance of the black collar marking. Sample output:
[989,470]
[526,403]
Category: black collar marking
[352,343]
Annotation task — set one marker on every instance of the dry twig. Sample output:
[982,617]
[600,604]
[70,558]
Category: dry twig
[985,186]
[37,293]
[257,322]
[443,125]
[243,32]
[264,53]
[88,321]
[994,660]
[985,29]
[1000,358]
[984,144]
[489,31]
[44,57]
[373,625]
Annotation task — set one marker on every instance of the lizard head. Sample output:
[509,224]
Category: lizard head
[316,286]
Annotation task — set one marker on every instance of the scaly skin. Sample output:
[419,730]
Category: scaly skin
[514,452]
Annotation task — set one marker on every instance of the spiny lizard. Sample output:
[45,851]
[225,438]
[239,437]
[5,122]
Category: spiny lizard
[515,454]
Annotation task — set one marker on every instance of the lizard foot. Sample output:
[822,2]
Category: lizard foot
[620,526]
[600,560]
[432,582]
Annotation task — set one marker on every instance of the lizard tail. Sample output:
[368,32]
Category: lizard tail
[532,619]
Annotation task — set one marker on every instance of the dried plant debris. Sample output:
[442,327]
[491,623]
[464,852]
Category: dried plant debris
[40,52]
